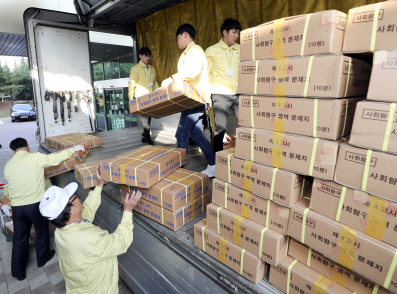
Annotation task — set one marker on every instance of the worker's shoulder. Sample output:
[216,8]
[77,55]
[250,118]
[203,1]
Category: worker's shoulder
[197,47]
[213,49]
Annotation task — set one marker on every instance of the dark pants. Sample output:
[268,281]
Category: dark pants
[23,217]
[222,104]
[145,121]
[190,123]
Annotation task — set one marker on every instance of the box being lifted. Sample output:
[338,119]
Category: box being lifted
[306,34]
[162,102]
[70,140]
[67,165]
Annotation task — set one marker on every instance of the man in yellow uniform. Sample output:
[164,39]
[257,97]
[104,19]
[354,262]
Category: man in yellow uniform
[192,69]
[24,174]
[87,254]
[223,60]
[143,81]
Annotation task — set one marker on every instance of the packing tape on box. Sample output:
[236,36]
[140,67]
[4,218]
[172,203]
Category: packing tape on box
[253,44]
[305,34]
[344,123]
[217,219]
[226,184]
[191,186]
[339,278]
[340,205]
[289,274]
[256,77]
[347,239]
[245,208]
[252,112]
[303,187]
[389,126]
[321,284]
[242,261]
[366,170]
[247,182]
[252,144]
[222,250]
[273,182]
[390,273]
[304,225]
[309,70]
[376,213]
[348,77]
[376,288]
[309,257]
[92,176]
[228,165]
[314,151]
[277,152]
[374,27]
[267,212]
[281,73]
[203,236]
[237,224]
[278,42]
[286,247]
[315,112]
[279,102]
[261,241]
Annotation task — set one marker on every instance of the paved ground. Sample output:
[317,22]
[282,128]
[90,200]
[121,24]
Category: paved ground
[39,280]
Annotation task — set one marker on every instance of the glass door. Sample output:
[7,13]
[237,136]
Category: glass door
[117,109]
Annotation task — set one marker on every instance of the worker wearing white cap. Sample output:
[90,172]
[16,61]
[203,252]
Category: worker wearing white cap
[87,254]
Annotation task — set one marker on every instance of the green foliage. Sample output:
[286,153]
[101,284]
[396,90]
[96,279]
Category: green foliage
[16,83]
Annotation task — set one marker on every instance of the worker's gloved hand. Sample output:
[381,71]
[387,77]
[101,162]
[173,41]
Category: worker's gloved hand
[167,82]
[99,176]
[2,186]
[80,148]
[131,200]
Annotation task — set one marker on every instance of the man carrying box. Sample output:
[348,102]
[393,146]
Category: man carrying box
[143,81]
[192,69]
[24,174]
[223,61]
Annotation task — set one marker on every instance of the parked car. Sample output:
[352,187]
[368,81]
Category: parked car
[22,111]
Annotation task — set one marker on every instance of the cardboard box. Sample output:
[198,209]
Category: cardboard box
[241,261]
[9,229]
[362,254]
[85,174]
[270,246]
[360,24]
[176,190]
[381,179]
[324,35]
[374,216]
[70,140]
[328,77]
[171,219]
[162,102]
[143,167]
[303,279]
[288,151]
[332,270]
[296,115]
[5,200]
[370,124]
[67,165]
[288,188]
[382,84]
[250,206]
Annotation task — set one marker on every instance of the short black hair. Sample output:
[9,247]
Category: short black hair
[230,24]
[63,217]
[145,51]
[188,28]
[18,143]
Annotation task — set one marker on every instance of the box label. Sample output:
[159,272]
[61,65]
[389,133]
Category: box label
[248,36]
[367,16]
[359,158]
[246,136]
[247,103]
[309,222]
[372,114]
[248,70]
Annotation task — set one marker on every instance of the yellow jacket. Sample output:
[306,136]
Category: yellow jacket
[140,77]
[24,174]
[88,255]
[221,58]
[192,68]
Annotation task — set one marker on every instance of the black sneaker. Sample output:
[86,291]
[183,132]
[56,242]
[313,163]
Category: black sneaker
[50,256]
[19,279]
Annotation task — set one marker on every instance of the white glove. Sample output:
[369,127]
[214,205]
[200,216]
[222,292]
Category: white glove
[6,210]
[80,148]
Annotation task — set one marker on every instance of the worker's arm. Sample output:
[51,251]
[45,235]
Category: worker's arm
[91,204]
[192,67]
[54,158]
[156,85]
[208,55]
[134,78]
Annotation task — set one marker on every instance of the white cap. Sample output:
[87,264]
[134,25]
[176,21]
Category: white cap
[55,199]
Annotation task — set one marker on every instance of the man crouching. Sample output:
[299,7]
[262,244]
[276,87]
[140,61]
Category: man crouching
[87,254]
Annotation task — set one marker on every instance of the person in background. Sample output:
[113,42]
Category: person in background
[223,61]
[143,81]
[87,254]
[192,69]
[25,187]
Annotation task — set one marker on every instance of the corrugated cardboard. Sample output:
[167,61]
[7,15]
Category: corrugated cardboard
[70,140]
[359,27]
[374,216]
[67,165]
[370,124]
[288,188]
[247,234]
[288,151]
[5,200]
[350,248]
[332,270]
[381,179]
[143,167]
[328,77]
[333,119]
[176,190]
[162,102]
[250,206]
[231,255]
[324,34]
[85,174]
[171,219]
[303,279]
[382,84]
[9,229]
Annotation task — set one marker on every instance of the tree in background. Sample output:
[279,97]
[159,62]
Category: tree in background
[16,83]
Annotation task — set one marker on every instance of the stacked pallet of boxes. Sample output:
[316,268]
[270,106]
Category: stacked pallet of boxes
[295,107]
[350,225]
